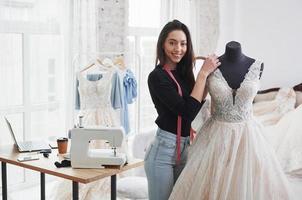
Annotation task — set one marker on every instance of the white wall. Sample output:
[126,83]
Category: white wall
[111,19]
[269,30]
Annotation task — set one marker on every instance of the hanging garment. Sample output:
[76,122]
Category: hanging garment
[94,99]
[123,92]
[90,77]
[130,93]
[230,158]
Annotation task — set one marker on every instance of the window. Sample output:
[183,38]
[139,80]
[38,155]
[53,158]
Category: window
[143,30]
[32,71]
[11,70]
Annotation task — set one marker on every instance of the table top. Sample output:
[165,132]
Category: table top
[9,154]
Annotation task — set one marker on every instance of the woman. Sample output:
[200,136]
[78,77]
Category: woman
[177,99]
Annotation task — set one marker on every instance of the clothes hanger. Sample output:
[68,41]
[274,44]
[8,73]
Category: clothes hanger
[89,66]
[106,63]
[99,61]
[119,61]
[100,64]
[94,63]
[200,58]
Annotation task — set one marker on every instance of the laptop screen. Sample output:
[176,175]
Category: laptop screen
[11,130]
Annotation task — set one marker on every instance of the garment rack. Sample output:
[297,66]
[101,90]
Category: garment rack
[96,55]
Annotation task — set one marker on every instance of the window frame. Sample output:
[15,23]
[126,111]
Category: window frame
[138,33]
[26,108]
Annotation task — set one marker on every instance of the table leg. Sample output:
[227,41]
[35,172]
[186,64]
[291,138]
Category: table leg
[4,180]
[113,187]
[42,186]
[75,190]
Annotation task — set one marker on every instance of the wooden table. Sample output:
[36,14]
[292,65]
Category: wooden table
[9,154]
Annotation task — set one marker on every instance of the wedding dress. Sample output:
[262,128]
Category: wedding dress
[97,111]
[270,112]
[96,107]
[230,159]
[286,138]
[282,122]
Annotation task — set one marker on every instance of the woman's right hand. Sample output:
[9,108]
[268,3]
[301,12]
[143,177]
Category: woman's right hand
[210,64]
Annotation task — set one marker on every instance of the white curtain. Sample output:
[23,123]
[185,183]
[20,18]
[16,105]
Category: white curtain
[84,35]
[202,19]
[83,45]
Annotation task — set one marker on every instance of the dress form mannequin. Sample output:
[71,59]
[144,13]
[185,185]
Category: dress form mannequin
[235,65]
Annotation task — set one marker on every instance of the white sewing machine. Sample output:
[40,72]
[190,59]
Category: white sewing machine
[83,157]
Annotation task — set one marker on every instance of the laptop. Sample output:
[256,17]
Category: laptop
[27,146]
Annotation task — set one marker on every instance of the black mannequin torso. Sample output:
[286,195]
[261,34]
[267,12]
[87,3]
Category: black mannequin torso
[235,65]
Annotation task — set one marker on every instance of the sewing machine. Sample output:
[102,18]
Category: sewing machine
[83,157]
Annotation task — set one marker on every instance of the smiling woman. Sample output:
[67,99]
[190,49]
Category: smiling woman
[177,99]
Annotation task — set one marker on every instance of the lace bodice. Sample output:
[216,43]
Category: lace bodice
[95,94]
[229,106]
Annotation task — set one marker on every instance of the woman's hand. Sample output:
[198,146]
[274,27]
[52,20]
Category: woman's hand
[209,65]
[199,91]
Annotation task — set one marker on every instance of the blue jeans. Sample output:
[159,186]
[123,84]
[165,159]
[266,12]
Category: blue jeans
[160,164]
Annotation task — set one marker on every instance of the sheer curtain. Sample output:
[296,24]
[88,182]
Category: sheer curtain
[84,26]
[142,33]
[202,18]
[83,38]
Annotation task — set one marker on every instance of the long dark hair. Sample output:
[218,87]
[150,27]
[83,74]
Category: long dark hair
[186,64]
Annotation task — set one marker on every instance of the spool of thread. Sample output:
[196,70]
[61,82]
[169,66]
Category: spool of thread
[80,121]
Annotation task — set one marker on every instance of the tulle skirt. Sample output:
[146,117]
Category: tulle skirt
[231,161]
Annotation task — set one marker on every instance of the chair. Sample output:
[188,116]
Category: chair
[135,186]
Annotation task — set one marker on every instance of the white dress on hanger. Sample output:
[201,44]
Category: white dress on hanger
[230,158]
[95,104]
[96,110]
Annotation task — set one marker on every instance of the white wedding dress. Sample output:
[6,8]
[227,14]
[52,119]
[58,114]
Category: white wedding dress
[96,110]
[282,122]
[286,138]
[96,107]
[271,111]
[230,158]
